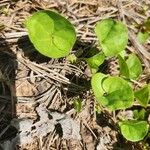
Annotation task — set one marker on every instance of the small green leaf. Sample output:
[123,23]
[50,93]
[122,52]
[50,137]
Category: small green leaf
[96,60]
[112,92]
[134,130]
[51,34]
[113,36]
[72,58]
[123,67]
[143,95]
[97,85]
[134,66]
[78,105]
[139,114]
[142,37]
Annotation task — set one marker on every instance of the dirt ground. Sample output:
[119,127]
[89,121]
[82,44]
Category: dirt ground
[37,93]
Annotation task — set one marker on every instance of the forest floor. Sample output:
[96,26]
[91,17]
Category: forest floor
[37,93]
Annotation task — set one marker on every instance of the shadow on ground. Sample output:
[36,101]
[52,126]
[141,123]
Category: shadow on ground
[8,66]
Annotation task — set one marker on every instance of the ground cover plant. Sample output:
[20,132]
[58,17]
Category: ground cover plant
[74,74]
[54,36]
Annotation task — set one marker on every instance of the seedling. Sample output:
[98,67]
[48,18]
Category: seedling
[51,34]
[54,36]
[116,92]
[112,35]
[130,68]
[134,130]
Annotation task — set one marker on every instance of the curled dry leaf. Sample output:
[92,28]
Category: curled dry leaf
[28,130]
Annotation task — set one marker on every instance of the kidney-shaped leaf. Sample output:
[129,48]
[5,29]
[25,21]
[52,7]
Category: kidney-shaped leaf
[143,95]
[113,36]
[134,66]
[51,34]
[112,92]
[134,130]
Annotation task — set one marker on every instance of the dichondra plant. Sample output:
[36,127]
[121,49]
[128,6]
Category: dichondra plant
[116,92]
[54,36]
[51,34]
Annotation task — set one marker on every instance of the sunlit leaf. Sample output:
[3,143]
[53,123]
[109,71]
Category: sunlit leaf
[134,66]
[51,34]
[72,58]
[113,36]
[112,92]
[134,130]
[96,60]
[143,95]
[123,67]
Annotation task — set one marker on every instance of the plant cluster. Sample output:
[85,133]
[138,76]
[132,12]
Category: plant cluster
[54,36]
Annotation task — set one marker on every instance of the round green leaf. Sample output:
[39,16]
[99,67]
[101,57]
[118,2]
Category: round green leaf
[96,60]
[134,130]
[113,36]
[112,92]
[143,95]
[51,34]
[134,66]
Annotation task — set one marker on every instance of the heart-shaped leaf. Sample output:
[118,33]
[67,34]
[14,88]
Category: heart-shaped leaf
[134,130]
[131,68]
[134,66]
[51,34]
[113,36]
[112,92]
[143,95]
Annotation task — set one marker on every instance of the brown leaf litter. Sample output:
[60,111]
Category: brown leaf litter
[43,89]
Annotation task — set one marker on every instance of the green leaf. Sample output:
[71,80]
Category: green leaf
[122,54]
[134,130]
[72,58]
[96,83]
[139,114]
[123,67]
[96,60]
[51,34]
[112,92]
[134,66]
[113,36]
[143,95]
[78,105]
[142,37]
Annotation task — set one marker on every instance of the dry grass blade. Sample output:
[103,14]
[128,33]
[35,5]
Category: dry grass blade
[145,55]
